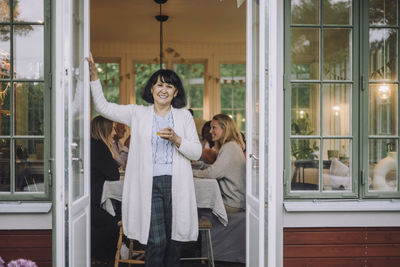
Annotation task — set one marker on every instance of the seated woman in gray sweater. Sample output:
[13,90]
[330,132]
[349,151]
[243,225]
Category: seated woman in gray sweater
[230,166]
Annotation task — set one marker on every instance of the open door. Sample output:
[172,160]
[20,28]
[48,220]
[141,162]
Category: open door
[73,133]
[78,190]
[255,123]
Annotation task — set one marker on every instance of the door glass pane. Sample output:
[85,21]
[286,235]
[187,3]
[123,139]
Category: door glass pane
[255,99]
[304,164]
[28,51]
[305,109]
[383,54]
[4,11]
[28,11]
[383,165]
[383,12]
[336,173]
[29,165]
[337,54]
[29,108]
[5,50]
[77,142]
[5,165]
[305,54]
[337,12]
[337,109]
[305,11]
[5,111]
[383,109]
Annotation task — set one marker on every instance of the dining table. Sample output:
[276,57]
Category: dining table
[208,195]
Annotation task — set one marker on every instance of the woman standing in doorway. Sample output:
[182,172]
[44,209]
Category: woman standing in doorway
[158,200]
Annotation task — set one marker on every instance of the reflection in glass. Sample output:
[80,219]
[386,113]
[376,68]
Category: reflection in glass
[305,109]
[28,59]
[305,54]
[337,54]
[383,165]
[383,109]
[383,54]
[29,108]
[5,165]
[383,12]
[29,165]
[337,12]
[305,12]
[305,164]
[337,165]
[29,11]
[5,51]
[336,109]
[5,109]
[4,10]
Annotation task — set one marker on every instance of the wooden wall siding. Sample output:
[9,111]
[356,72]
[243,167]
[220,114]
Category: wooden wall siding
[334,247]
[29,244]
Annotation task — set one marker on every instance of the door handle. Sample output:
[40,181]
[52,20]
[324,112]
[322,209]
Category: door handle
[252,156]
[79,160]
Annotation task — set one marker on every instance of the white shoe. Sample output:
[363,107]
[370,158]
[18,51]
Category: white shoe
[124,252]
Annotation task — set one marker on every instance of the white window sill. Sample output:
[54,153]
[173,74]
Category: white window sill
[354,205]
[24,207]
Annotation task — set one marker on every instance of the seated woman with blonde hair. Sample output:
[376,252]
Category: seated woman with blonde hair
[230,166]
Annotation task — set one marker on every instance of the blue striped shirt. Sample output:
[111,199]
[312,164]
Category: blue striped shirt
[162,149]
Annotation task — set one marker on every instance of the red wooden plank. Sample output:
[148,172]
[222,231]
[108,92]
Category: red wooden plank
[324,262]
[25,232]
[381,250]
[322,251]
[350,237]
[8,241]
[35,254]
[384,237]
[383,262]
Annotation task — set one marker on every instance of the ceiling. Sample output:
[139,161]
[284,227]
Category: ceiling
[190,21]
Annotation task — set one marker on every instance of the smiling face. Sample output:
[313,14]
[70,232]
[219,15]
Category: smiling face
[217,132]
[163,93]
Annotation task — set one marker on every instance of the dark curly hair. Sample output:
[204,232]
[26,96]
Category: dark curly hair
[166,76]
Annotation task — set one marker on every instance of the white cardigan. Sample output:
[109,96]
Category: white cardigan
[136,196]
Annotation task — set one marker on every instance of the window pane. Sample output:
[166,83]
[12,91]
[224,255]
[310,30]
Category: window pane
[305,11]
[29,108]
[4,165]
[336,109]
[240,119]
[239,94]
[383,12]
[305,164]
[28,51]
[226,96]
[5,111]
[305,109]
[29,10]
[383,165]
[383,109]
[337,12]
[337,165]
[29,162]
[383,54]
[337,54]
[5,52]
[305,54]
[109,78]
[4,10]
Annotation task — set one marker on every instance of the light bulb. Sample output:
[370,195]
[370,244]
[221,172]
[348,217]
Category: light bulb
[384,91]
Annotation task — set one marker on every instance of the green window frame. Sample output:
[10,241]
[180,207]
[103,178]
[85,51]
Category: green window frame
[233,92]
[332,148]
[25,84]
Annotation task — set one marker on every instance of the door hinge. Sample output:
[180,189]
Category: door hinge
[362,177]
[50,171]
[362,83]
